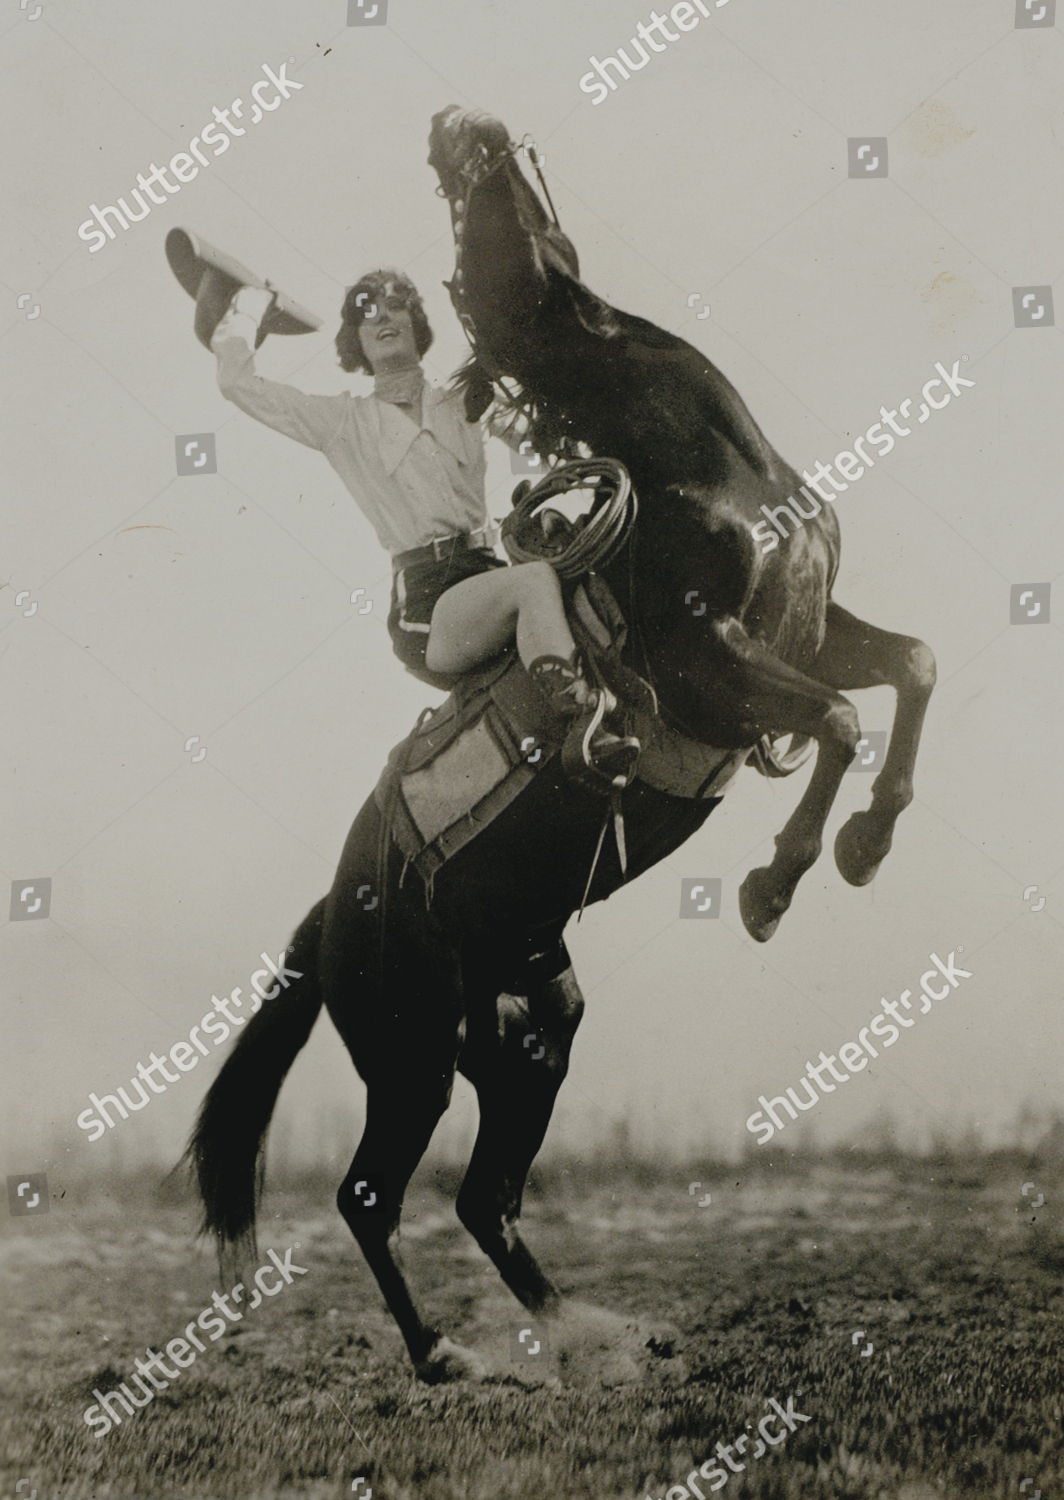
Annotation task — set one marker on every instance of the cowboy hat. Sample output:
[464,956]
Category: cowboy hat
[212,277]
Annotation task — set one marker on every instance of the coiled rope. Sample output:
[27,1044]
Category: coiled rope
[577,548]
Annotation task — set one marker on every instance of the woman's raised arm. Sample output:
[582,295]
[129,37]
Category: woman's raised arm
[309,419]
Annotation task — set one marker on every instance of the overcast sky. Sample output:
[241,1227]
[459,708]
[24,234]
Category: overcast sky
[153,610]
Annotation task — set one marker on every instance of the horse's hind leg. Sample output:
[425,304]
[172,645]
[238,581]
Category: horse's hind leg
[857,655]
[516,1088]
[405,1048]
[516,1056]
[401,1114]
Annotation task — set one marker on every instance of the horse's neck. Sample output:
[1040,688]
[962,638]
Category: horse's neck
[508,270]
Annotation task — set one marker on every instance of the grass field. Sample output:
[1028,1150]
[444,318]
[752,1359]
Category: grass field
[943,1268]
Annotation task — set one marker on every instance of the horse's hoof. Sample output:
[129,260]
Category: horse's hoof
[447,1361]
[760,905]
[860,848]
[593,1346]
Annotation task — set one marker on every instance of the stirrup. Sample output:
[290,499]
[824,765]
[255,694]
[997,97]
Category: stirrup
[597,759]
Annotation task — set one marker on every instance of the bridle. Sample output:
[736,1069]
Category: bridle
[480,165]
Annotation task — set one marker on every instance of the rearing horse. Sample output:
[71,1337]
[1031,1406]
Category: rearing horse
[459,983]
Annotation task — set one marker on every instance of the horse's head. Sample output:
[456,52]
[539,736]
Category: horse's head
[470,149]
[586,372]
[462,143]
[509,256]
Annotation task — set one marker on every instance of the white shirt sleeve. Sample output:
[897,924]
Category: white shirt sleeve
[313,420]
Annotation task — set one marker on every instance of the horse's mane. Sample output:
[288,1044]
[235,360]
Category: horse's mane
[515,414]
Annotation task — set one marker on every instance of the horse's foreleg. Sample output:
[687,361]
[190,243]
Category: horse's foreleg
[517,1066]
[857,655]
[766,695]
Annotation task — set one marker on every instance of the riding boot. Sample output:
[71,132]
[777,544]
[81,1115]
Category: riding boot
[592,754]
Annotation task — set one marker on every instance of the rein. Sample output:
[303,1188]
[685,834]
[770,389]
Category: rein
[473,173]
[531,150]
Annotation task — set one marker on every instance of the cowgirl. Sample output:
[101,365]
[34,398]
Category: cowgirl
[415,467]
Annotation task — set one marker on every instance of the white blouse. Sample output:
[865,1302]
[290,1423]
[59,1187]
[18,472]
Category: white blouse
[413,483]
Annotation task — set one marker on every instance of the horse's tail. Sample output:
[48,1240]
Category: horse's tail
[226,1152]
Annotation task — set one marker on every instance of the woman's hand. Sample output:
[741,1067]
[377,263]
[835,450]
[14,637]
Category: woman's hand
[244,315]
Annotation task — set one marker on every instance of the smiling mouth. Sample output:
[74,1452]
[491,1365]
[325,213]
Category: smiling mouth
[388,333]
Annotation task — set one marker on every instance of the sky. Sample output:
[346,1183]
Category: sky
[148,616]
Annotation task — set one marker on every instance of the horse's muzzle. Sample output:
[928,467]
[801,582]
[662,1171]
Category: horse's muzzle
[460,129]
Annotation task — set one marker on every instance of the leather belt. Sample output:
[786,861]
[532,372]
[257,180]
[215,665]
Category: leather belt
[442,548]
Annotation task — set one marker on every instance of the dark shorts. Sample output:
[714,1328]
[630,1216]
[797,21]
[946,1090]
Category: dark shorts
[415,591]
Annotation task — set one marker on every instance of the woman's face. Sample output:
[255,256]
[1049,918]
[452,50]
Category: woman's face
[386,332]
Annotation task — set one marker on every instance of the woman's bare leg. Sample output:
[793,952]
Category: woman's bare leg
[481,615]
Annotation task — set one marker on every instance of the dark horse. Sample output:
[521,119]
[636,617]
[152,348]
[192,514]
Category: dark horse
[461,981]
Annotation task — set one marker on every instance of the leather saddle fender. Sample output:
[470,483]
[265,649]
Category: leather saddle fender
[466,760]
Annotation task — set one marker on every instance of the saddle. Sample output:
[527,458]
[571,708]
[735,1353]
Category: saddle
[466,761]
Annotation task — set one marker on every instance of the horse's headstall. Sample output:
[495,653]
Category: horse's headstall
[483,163]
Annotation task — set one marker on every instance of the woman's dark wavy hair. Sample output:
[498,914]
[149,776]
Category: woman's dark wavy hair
[348,343]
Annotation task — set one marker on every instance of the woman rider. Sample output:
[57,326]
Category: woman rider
[415,466]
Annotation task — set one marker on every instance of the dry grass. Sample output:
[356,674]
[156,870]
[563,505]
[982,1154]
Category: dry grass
[958,1291]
